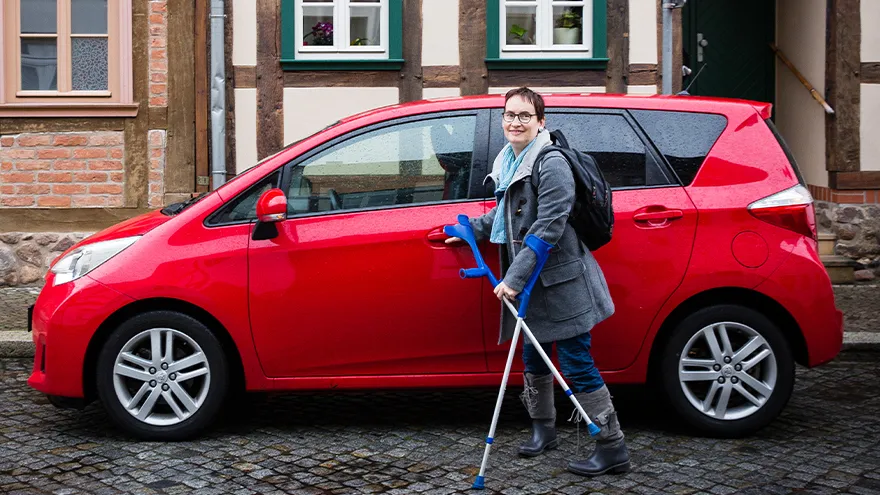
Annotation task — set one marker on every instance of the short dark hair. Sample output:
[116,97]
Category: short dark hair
[530,96]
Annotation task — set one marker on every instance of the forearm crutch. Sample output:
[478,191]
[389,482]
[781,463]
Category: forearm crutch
[541,248]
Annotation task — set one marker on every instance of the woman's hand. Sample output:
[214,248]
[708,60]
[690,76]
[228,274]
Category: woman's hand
[452,240]
[502,290]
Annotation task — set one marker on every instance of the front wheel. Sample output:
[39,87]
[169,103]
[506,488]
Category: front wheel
[727,370]
[162,375]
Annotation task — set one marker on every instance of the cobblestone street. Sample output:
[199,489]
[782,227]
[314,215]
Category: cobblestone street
[826,441]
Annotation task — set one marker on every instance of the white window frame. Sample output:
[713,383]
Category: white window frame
[341,50]
[544,47]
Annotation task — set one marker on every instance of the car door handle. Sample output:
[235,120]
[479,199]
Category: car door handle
[658,215]
[437,235]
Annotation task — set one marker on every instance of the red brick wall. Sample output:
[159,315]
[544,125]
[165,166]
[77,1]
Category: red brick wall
[156,141]
[852,197]
[158,53]
[64,170]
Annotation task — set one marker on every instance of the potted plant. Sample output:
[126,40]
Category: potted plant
[518,35]
[567,30]
[322,34]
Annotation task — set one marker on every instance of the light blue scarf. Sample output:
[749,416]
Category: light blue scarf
[509,163]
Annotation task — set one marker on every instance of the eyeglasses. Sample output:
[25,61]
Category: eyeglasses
[524,117]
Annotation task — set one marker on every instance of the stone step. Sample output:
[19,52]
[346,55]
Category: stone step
[827,242]
[840,268]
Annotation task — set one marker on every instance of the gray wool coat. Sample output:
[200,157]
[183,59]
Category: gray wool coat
[571,295]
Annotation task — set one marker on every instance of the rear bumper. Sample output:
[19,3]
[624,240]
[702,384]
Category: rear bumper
[802,286]
[65,318]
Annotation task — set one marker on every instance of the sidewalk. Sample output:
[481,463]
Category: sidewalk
[860,304]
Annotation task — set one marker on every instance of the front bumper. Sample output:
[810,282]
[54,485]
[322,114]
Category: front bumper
[65,318]
[801,284]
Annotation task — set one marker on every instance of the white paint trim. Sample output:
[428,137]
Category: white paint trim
[440,39]
[245,128]
[428,93]
[548,90]
[870,13]
[244,32]
[642,89]
[870,127]
[643,31]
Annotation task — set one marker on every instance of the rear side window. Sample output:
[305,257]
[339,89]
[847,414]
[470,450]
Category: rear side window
[684,138]
[620,153]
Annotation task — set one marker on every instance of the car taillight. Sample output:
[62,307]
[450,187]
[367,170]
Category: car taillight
[790,209]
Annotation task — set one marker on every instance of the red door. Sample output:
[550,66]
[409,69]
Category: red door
[358,280]
[654,226]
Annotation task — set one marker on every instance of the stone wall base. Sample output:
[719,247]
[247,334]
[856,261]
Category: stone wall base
[857,228]
[25,257]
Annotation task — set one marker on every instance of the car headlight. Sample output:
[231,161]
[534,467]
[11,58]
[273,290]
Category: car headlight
[84,259]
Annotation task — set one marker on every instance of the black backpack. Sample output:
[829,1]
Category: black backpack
[591,216]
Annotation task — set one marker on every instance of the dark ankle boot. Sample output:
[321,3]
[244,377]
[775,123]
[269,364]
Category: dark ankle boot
[538,399]
[610,455]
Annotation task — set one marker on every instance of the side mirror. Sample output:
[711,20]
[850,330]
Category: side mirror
[272,206]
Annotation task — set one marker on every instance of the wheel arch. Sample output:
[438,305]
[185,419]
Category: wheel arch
[236,367]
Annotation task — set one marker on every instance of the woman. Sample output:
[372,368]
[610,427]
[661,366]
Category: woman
[572,295]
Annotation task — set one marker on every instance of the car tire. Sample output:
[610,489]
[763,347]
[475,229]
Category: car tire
[162,399]
[697,380]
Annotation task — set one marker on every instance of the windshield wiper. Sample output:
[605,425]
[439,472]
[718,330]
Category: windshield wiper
[175,208]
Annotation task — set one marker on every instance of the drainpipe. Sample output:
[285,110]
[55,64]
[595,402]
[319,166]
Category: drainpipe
[218,95]
[668,6]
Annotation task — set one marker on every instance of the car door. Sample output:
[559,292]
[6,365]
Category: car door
[358,280]
[654,226]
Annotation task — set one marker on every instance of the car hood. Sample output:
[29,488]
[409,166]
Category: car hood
[138,225]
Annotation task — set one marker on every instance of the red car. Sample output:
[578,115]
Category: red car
[324,267]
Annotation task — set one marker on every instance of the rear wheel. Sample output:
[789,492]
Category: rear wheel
[727,370]
[162,375]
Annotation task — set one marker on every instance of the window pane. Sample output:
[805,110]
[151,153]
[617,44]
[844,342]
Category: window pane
[419,162]
[38,16]
[521,26]
[318,26]
[684,138]
[365,23]
[244,207]
[613,143]
[88,16]
[39,64]
[89,59]
[568,25]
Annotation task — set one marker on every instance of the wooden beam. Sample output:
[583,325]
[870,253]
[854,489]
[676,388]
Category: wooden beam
[64,219]
[137,162]
[245,76]
[842,61]
[441,76]
[16,125]
[854,180]
[618,46]
[677,50]
[410,83]
[309,79]
[642,74]
[270,91]
[547,78]
[200,81]
[180,166]
[472,47]
[870,73]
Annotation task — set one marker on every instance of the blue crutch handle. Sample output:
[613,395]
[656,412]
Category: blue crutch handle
[464,231]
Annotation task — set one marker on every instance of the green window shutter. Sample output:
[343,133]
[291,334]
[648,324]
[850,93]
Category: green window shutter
[289,34]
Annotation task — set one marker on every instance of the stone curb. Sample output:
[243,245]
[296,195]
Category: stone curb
[19,344]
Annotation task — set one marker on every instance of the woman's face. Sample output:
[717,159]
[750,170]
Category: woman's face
[520,134]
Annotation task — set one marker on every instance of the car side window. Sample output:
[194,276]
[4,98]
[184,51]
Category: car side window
[244,207]
[614,144]
[426,161]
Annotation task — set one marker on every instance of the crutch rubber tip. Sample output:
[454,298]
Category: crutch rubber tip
[479,483]
[594,430]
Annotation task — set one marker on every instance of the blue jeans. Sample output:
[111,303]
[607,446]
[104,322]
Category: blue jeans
[575,361]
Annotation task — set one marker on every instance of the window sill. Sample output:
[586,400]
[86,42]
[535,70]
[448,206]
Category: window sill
[340,64]
[547,63]
[68,110]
